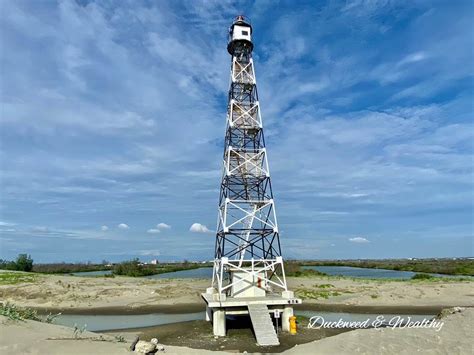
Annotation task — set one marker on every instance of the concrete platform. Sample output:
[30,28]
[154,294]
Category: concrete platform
[269,300]
[219,305]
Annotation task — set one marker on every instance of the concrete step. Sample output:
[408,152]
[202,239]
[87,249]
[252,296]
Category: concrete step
[262,325]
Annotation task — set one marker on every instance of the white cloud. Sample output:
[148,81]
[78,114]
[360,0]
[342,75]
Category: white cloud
[199,228]
[359,240]
[123,226]
[153,231]
[163,226]
[6,224]
[413,58]
[104,228]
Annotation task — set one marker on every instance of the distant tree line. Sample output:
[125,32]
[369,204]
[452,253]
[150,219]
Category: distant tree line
[23,262]
[135,268]
[132,267]
[448,266]
[68,268]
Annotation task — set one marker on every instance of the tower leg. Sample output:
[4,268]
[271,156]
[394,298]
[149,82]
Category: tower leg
[218,322]
[208,314]
[285,319]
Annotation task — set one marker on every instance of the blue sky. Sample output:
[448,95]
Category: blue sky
[113,117]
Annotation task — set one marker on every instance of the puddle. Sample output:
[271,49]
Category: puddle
[117,322]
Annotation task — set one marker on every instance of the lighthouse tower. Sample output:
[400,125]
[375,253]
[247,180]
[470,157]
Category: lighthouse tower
[248,266]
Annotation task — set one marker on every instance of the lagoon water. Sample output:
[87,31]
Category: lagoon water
[114,322]
[359,272]
[348,271]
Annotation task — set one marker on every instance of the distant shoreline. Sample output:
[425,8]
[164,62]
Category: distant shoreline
[460,266]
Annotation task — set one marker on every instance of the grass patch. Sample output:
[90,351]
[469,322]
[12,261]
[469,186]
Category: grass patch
[323,286]
[423,277]
[314,295]
[14,312]
[294,269]
[11,278]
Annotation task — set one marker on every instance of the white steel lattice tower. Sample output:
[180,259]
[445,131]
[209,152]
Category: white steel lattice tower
[247,249]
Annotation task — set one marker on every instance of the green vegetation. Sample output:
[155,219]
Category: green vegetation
[127,268]
[69,268]
[448,266]
[23,262]
[428,277]
[135,269]
[13,312]
[422,277]
[11,278]
[132,268]
[323,286]
[315,294]
[16,313]
[294,269]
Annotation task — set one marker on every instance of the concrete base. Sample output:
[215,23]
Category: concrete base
[208,314]
[218,322]
[285,318]
[217,307]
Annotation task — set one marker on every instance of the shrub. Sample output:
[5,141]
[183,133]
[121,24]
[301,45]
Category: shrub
[295,270]
[68,268]
[24,262]
[16,313]
[422,277]
[132,268]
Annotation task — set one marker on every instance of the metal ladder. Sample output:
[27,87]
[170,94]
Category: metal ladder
[262,325]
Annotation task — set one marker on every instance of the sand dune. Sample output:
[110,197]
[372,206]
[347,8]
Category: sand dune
[73,293]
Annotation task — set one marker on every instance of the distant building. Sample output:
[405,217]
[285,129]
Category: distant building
[154,262]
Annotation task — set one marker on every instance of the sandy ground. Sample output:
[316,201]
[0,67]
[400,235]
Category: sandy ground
[82,294]
[373,293]
[455,337]
[31,337]
[121,295]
